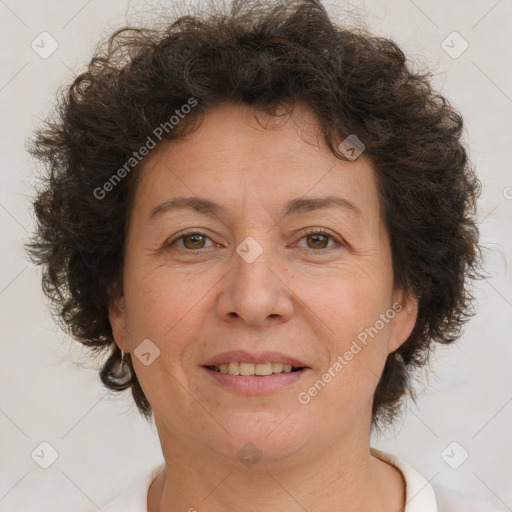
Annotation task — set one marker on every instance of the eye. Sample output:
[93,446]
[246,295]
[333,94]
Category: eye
[192,241]
[319,238]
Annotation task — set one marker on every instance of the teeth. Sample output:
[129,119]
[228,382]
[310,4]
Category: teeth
[246,368]
[249,369]
[277,367]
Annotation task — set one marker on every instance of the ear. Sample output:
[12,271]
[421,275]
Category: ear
[117,317]
[404,321]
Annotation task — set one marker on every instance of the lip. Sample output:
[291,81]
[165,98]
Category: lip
[248,385]
[259,358]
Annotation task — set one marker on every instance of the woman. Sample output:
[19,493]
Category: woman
[268,221]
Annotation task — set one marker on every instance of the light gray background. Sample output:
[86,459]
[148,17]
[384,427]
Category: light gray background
[50,392]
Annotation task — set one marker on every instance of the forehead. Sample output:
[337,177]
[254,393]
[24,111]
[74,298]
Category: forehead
[232,157]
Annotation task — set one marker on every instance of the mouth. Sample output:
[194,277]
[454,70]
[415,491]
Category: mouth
[249,373]
[252,379]
[254,370]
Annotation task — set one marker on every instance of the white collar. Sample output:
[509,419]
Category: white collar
[419,494]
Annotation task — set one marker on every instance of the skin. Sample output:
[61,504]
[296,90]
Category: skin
[304,296]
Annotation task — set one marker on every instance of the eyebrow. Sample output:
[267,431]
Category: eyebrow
[294,206]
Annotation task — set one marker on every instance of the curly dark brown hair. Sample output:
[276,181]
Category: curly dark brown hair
[267,55]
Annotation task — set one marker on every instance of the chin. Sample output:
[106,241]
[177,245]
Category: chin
[266,431]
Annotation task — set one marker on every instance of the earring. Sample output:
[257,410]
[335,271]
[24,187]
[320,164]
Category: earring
[124,375]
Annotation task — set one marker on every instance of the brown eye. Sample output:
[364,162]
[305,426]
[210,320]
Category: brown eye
[318,239]
[190,242]
[193,241]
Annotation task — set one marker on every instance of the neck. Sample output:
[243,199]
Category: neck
[344,476]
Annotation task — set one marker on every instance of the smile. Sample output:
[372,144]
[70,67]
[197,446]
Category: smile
[250,369]
[247,382]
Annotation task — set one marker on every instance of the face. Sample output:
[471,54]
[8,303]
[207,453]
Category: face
[258,273]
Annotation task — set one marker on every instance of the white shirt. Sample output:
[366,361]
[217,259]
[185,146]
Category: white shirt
[420,495]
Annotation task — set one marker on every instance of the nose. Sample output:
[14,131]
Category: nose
[256,288]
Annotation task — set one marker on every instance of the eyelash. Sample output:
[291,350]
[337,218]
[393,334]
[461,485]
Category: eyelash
[309,232]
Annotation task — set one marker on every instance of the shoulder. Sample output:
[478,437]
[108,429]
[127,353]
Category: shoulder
[449,500]
[421,496]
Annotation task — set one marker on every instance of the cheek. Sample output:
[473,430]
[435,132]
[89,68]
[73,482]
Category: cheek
[347,300]
[353,317]
[157,299]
